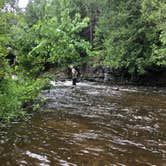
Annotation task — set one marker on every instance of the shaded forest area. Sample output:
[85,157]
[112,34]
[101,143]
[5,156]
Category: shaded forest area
[127,37]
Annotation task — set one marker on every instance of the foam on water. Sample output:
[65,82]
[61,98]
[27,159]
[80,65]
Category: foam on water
[79,84]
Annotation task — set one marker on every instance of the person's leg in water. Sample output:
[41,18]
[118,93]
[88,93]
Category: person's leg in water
[74,81]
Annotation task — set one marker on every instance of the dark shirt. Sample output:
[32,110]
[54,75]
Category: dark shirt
[11,58]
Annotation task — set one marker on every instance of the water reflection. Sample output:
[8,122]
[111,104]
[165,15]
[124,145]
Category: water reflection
[89,125]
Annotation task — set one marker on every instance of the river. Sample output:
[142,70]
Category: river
[90,125]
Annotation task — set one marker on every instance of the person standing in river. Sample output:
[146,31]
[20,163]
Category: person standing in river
[74,74]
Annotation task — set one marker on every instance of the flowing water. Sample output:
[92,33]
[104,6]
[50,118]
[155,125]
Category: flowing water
[91,125]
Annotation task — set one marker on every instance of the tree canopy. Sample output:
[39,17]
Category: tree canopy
[131,34]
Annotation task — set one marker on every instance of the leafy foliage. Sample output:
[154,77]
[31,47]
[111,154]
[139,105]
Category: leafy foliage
[16,94]
[50,38]
[133,34]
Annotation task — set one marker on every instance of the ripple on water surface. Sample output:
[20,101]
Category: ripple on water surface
[91,124]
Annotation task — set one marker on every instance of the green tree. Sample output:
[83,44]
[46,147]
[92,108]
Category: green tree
[91,9]
[51,37]
[7,18]
[14,93]
[131,35]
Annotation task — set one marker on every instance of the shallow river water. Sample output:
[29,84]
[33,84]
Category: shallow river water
[91,125]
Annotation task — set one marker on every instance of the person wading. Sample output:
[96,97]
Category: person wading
[74,73]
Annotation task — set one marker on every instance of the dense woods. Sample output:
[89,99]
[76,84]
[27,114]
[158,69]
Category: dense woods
[128,37]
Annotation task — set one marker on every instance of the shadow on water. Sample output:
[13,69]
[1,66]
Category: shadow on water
[91,125]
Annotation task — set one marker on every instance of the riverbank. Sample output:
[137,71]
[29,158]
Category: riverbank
[104,75]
